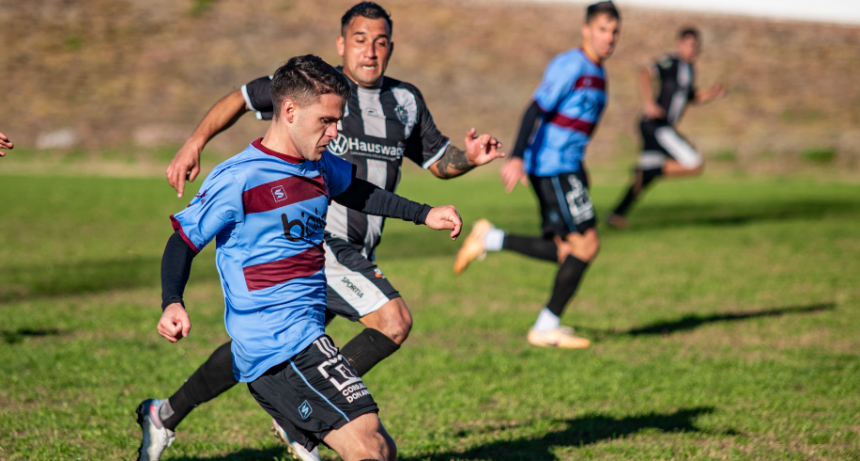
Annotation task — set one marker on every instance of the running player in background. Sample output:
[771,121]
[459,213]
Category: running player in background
[5,143]
[385,120]
[664,152]
[550,148]
[266,208]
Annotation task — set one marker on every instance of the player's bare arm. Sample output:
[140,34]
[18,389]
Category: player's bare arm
[186,163]
[5,143]
[480,150]
[716,91]
[650,107]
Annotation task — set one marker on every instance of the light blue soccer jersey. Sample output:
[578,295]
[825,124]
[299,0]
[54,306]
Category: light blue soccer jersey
[572,96]
[266,212]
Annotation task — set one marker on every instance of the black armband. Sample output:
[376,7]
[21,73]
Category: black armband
[367,198]
[175,270]
[530,118]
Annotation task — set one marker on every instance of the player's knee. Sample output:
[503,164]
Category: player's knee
[397,322]
[378,447]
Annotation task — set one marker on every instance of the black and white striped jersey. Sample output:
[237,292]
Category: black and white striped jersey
[676,86]
[380,126]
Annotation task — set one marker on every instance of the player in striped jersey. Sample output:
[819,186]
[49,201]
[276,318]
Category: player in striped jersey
[384,121]
[266,209]
[664,152]
[550,150]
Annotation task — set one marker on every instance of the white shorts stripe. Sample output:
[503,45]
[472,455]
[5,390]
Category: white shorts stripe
[359,292]
[679,149]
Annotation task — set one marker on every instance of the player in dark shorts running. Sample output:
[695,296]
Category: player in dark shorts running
[550,148]
[266,210]
[664,152]
[385,120]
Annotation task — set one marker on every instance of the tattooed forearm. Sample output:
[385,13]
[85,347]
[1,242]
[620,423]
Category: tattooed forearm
[453,163]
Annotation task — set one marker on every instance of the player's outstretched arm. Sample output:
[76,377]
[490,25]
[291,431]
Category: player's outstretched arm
[175,270]
[186,162]
[649,105]
[367,198]
[513,171]
[714,92]
[5,143]
[480,150]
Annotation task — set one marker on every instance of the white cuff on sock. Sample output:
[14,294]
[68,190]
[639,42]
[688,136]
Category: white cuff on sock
[493,239]
[547,321]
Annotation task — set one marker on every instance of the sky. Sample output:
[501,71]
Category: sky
[839,11]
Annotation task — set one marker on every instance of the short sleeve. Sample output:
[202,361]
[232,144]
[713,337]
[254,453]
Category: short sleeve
[338,173]
[557,82]
[216,206]
[426,144]
[257,97]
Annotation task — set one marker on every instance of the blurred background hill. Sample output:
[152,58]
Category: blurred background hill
[133,77]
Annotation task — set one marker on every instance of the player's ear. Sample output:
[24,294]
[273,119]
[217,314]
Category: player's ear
[341,45]
[288,110]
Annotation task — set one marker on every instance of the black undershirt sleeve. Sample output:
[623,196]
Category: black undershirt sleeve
[175,270]
[367,198]
[530,118]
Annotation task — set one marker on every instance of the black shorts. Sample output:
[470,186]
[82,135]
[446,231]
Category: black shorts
[565,205]
[317,391]
[356,287]
[660,141]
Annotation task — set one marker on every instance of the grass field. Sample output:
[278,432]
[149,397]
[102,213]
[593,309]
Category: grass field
[725,326]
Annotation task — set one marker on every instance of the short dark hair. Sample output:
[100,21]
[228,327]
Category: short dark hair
[596,9]
[687,31]
[367,10]
[304,79]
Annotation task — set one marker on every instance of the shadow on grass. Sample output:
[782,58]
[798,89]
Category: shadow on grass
[585,430]
[691,322]
[57,280]
[247,454]
[735,214]
[14,337]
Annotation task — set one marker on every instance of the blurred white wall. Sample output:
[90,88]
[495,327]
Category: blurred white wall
[839,11]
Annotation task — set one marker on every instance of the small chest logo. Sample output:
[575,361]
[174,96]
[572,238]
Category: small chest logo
[279,193]
[305,410]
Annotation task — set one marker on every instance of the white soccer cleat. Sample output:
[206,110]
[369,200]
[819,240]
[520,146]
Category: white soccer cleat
[296,449]
[561,337]
[155,436]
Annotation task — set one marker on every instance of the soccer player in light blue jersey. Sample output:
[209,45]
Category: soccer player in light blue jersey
[266,210]
[549,153]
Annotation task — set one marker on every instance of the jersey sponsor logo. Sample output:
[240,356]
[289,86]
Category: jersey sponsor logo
[378,273]
[279,193]
[305,410]
[338,145]
[343,144]
[306,229]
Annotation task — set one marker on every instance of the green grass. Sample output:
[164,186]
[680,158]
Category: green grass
[724,324]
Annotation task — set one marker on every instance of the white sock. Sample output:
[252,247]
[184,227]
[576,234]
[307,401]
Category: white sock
[546,321]
[494,239]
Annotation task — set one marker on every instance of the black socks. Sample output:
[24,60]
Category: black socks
[536,247]
[566,281]
[212,379]
[639,185]
[367,349]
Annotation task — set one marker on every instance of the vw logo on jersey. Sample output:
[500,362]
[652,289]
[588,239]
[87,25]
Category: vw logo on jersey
[401,114]
[338,145]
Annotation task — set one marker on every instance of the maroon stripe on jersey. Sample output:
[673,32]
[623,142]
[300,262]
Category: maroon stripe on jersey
[591,83]
[573,123]
[178,227]
[287,158]
[304,264]
[283,192]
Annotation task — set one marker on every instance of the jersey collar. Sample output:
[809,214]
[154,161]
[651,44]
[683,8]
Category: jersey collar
[258,144]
